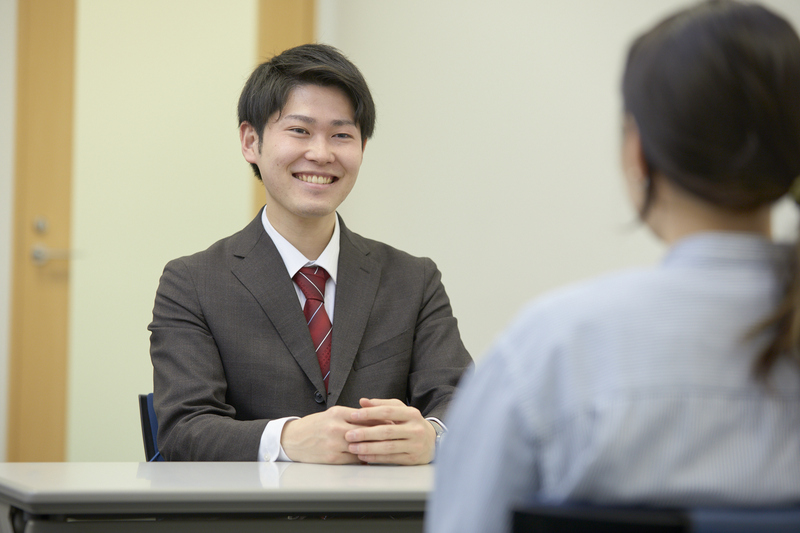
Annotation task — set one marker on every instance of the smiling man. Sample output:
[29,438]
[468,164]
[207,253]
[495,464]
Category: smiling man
[296,339]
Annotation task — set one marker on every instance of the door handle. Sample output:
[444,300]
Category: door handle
[41,254]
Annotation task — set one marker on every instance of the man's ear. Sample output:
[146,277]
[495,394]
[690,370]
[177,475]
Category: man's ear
[363,145]
[249,140]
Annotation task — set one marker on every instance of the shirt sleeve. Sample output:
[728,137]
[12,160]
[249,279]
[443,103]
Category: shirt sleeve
[485,469]
[270,449]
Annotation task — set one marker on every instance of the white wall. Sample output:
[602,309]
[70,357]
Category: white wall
[157,174]
[8,76]
[496,149]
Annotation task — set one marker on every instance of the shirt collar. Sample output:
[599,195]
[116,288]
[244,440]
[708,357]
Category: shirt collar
[295,260]
[717,248]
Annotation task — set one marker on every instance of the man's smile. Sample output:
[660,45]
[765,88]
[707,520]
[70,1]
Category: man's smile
[315,178]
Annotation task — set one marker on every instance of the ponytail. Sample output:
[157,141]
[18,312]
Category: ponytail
[785,321]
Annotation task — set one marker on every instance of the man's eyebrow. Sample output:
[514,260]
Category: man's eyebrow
[301,118]
[309,120]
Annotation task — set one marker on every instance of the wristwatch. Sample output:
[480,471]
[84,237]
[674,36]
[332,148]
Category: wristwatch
[440,432]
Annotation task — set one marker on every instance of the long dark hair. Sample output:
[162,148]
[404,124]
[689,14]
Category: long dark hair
[715,93]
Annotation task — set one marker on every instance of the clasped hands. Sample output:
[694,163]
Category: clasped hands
[382,431]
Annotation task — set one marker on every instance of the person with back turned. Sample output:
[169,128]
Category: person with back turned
[675,385]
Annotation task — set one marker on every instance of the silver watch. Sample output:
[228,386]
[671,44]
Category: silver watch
[440,432]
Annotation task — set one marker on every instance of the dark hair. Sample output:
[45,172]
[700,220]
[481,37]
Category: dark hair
[269,86]
[715,93]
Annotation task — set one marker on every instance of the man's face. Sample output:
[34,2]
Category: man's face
[309,156]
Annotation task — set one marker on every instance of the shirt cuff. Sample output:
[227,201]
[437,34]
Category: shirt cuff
[270,449]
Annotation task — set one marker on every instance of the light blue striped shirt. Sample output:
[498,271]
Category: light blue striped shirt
[635,387]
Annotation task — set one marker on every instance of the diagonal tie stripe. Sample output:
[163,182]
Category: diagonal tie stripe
[311,281]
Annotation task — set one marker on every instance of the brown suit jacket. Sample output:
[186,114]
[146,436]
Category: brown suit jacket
[231,349]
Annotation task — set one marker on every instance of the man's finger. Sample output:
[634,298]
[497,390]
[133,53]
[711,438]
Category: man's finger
[396,413]
[375,402]
[384,448]
[378,433]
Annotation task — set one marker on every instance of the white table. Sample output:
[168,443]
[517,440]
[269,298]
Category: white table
[44,497]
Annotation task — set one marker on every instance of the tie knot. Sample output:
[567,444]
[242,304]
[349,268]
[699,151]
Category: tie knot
[311,281]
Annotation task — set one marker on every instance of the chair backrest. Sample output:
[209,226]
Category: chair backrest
[782,520]
[573,518]
[149,427]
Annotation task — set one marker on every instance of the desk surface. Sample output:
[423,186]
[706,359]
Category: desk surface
[195,487]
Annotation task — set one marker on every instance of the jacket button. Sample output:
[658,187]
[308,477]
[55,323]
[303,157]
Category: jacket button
[318,397]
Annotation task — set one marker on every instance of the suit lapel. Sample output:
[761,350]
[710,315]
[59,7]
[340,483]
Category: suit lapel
[261,270]
[356,286]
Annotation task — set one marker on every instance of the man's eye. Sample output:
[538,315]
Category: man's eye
[297,130]
[343,136]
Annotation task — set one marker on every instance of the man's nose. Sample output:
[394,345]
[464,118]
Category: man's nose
[320,150]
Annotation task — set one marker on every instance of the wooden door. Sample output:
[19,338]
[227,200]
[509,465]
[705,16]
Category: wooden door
[42,196]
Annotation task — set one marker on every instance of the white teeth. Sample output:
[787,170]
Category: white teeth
[314,179]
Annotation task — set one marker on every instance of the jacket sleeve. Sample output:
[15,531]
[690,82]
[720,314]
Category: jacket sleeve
[189,383]
[439,358]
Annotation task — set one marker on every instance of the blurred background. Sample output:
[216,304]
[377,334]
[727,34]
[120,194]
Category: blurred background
[496,150]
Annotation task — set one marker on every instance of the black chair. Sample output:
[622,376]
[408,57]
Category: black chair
[149,428]
[573,518]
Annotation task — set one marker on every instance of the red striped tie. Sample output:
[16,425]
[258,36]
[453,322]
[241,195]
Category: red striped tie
[311,281]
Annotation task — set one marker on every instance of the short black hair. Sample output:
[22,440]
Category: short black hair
[269,86]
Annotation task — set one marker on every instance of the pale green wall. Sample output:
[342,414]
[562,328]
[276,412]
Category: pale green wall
[158,173]
[497,142]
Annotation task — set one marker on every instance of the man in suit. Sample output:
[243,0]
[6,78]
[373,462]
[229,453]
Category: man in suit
[295,338]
